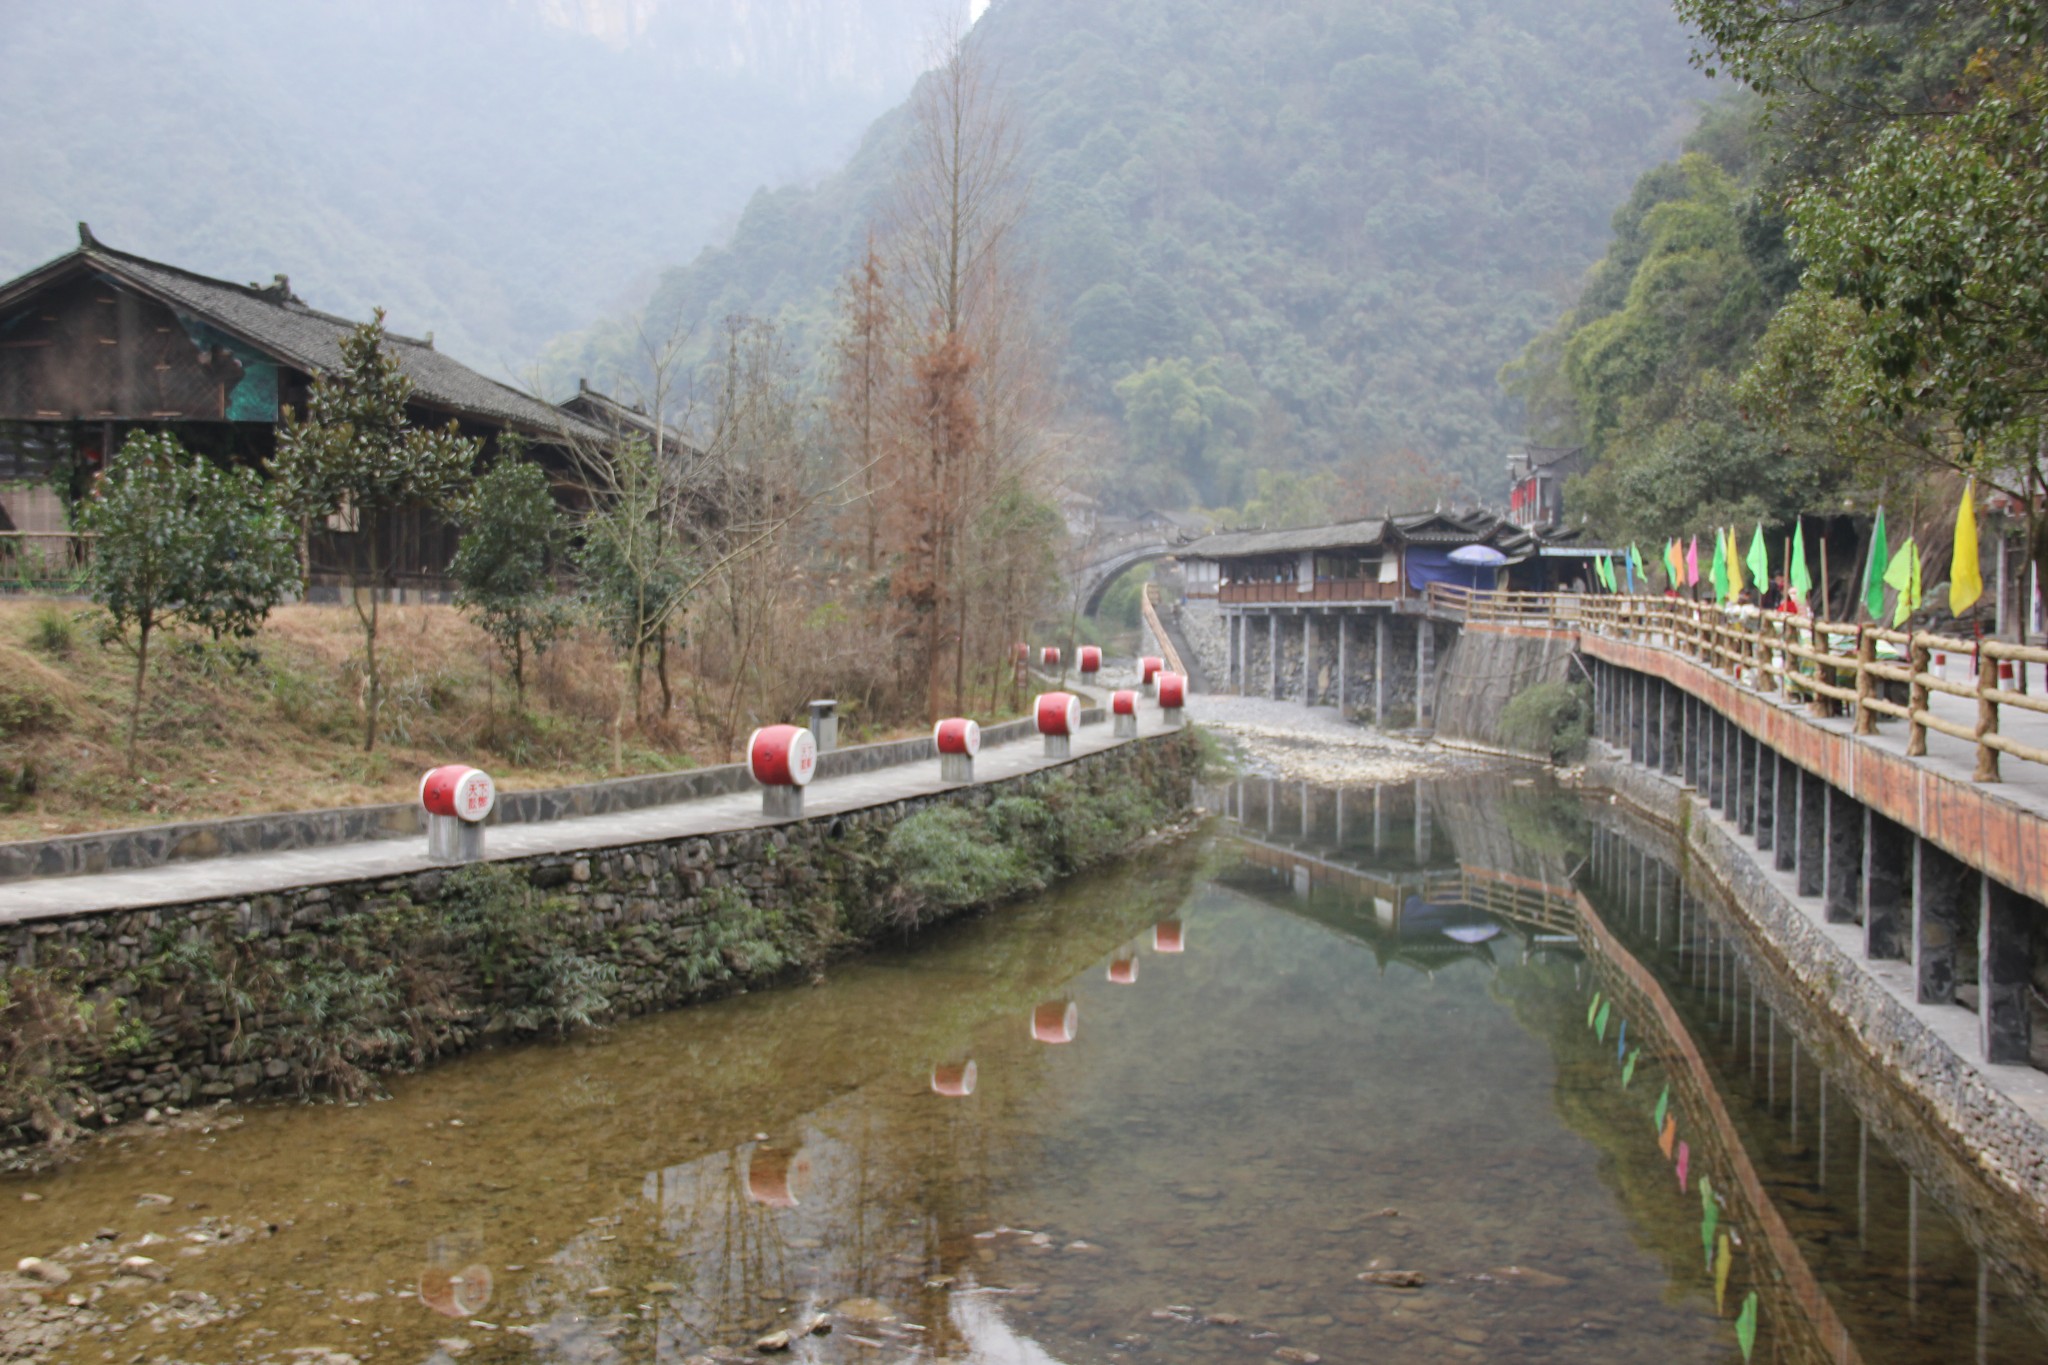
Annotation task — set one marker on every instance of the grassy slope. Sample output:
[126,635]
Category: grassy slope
[280,728]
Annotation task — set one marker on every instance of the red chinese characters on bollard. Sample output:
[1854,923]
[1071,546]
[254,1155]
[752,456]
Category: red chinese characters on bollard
[958,740]
[458,799]
[1059,716]
[1123,710]
[783,759]
[1173,696]
[1149,669]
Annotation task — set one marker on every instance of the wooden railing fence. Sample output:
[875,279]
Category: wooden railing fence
[1833,668]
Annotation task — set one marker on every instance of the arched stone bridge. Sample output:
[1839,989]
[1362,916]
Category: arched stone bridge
[1103,561]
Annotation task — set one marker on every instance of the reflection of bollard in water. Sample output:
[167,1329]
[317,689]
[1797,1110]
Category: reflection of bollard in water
[1149,669]
[958,740]
[1055,1021]
[783,759]
[825,725]
[1168,936]
[452,1282]
[1123,970]
[955,1080]
[776,1176]
[458,799]
[1123,706]
[1058,715]
[1173,698]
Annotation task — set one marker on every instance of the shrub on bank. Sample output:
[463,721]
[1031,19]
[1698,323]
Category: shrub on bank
[1552,720]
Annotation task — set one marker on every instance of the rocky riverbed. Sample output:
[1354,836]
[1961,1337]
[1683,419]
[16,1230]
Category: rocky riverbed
[1311,744]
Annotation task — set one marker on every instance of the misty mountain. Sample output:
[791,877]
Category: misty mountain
[494,171]
[1313,229]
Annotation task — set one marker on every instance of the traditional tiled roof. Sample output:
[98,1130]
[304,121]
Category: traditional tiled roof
[278,323]
[1233,544]
[611,415]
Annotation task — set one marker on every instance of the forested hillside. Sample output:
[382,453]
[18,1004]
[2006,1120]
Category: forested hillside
[494,171]
[1287,237]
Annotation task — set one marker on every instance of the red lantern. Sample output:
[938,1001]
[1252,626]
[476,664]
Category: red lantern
[957,736]
[782,755]
[458,790]
[1173,691]
[1059,713]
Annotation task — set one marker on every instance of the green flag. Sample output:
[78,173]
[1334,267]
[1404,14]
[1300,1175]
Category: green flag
[1873,577]
[1719,576]
[1801,580]
[1759,561]
[1902,575]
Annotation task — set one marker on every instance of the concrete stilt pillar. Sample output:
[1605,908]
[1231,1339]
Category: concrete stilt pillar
[1887,866]
[2004,967]
[1842,890]
[1379,668]
[1811,864]
[1231,676]
[1673,726]
[1692,742]
[1785,819]
[1308,658]
[1638,721]
[1425,673]
[1942,895]
[1745,783]
[1273,654]
[1711,758]
[1343,666]
[1731,768]
[1422,827]
[1766,818]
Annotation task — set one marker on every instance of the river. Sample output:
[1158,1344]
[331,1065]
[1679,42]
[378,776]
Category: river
[1444,1070]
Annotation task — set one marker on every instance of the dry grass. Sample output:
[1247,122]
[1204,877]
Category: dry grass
[277,725]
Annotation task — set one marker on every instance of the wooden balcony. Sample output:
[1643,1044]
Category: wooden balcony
[1323,590]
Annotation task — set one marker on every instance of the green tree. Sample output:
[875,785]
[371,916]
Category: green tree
[512,532]
[355,457]
[180,541]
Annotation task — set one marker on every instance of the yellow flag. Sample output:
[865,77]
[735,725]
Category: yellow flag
[1965,581]
[1734,567]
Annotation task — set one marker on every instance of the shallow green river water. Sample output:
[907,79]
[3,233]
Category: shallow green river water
[1171,1112]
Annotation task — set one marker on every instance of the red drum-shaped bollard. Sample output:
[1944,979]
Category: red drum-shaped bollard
[1149,669]
[458,799]
[1049,657]
[955,1080]
[1059,716]
[1089,659]
[1056,1021]
[1173,696]
[958,740]
[783,759]
[1123,710]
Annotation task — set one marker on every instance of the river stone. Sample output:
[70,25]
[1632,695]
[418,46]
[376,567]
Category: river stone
[45,1272]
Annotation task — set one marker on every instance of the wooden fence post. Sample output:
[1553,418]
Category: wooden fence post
[1866,655]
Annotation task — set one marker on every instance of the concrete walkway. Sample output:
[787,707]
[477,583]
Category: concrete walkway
[254,874]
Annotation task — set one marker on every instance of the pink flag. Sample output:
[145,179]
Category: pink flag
[1684,1160]
[1692,564]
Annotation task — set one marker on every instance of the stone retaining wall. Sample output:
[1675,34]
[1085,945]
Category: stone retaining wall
[2005,1141]
[214,998]
[154,845]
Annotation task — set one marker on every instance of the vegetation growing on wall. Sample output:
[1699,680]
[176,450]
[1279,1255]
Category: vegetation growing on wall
[1551,719]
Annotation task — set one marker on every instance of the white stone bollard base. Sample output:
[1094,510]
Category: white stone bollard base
[451,840]
[1171,715]
[1150,689]
[1126,727]
[782,803]
[956,767]
[1059,746]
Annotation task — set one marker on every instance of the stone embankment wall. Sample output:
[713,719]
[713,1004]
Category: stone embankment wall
[322,987]
[1484,669]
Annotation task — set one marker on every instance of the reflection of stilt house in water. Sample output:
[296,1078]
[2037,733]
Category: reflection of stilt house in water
[1341,615]
[99,343]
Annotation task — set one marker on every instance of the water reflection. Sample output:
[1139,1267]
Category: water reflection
[1472,1033]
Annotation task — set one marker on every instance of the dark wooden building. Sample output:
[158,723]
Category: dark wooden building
[99,342]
